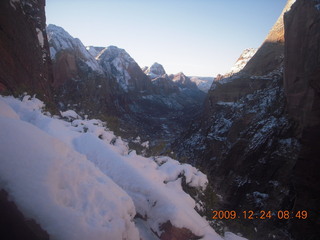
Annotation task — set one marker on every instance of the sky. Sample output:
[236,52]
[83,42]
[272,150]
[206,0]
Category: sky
[197,37]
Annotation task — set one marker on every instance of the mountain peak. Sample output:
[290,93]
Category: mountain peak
[156,70]
[182,80]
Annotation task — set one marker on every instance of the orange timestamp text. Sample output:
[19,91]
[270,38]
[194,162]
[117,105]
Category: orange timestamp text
[280,214]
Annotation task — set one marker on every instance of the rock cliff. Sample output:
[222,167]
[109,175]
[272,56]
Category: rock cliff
[25,64]
[302,87]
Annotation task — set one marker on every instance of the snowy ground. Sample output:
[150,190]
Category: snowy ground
[79,181]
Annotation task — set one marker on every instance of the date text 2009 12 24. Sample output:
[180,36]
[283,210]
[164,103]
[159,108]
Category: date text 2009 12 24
[281,214]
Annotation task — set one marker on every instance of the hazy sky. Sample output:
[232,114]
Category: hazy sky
[197,37]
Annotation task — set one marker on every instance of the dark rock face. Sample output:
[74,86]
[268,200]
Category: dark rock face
[14,225]
[302,86]
[25,59]
[25,66]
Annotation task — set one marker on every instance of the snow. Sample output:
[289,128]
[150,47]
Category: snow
[70,191]
[232,236]
[70,114]
[87,179]
[40,37]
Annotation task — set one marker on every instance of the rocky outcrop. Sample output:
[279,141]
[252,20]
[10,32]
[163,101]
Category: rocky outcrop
[25,59]
[302,87]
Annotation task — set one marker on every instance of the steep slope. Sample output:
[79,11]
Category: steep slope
[249,145]
[25,59]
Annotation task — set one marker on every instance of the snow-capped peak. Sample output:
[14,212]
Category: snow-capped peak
[59,40]
[155,71]
[117,61]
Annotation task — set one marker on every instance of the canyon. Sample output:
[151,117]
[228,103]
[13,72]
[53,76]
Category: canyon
[254,133]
